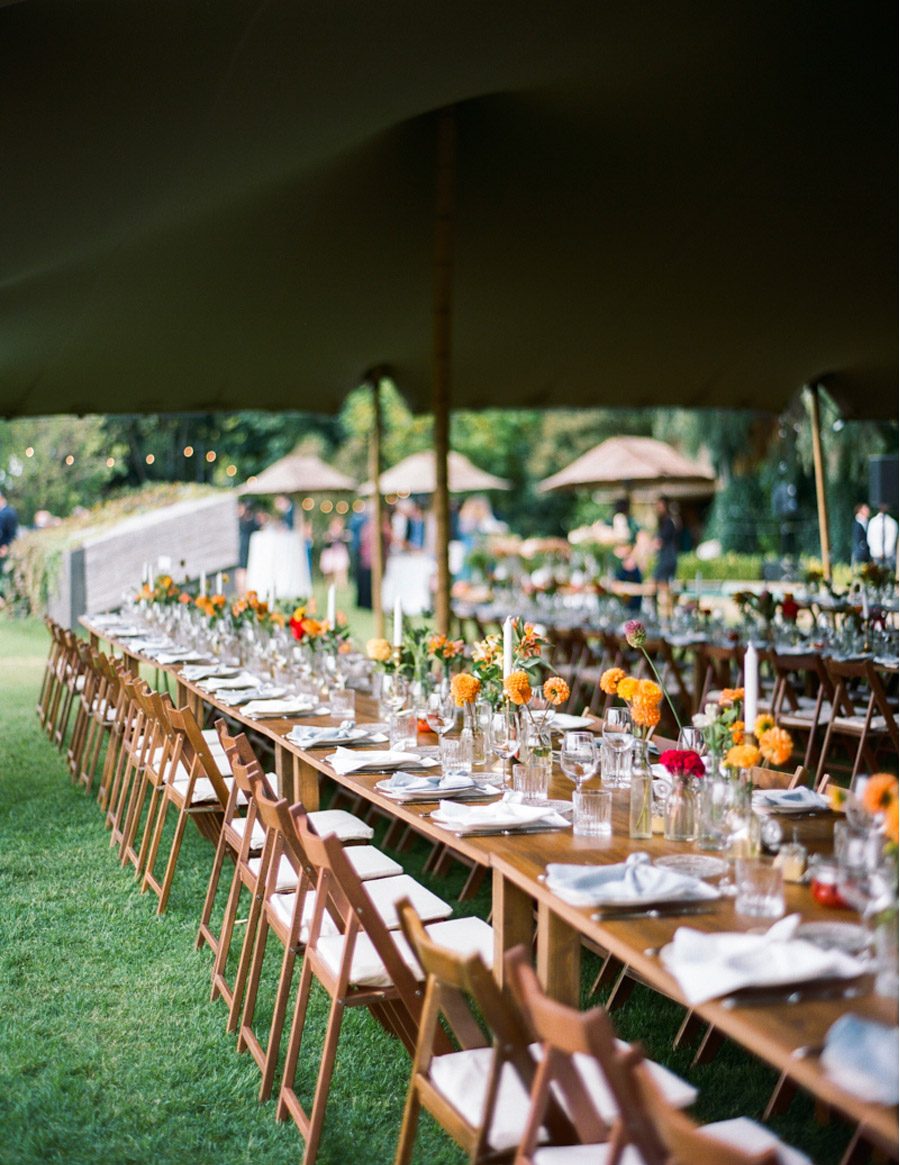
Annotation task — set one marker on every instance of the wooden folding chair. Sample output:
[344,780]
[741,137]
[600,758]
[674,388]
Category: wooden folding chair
[156,748]
[101,716]
[72,668]
[646,1121]
[116,741]
[287,875]
[870,724]
[242,759]
[478,1089]
[86,701]
[51,677]
[364,965]
[129,761]
[792,708]
[193,785]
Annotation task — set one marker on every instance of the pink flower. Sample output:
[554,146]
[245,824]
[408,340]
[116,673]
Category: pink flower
[682,762]
[635,633]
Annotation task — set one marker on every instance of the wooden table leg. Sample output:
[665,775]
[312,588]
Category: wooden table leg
[558,957]
[297,780]
[512,915]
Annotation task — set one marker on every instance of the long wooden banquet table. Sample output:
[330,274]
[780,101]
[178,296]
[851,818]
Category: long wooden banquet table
[524,906]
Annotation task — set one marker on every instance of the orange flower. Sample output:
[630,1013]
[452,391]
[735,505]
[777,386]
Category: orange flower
[763,723]
[627,689]
[517,686]
[729,696]
[891,820]
[648,691]
[610,680]
[737,732]
[837,799]
[556,690]
[312,627]
[880,792]
[742,756]
[487,650]
[379,650]
[464,688]
[776,745]
[645,713]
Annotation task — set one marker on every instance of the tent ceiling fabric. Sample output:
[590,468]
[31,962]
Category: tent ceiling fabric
[211,206]
[627,461]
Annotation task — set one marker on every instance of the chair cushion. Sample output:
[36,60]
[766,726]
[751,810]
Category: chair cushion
[465,935]
[287,877]
[584,1155]
[345,826]
[220,758]
[387,892]
[856,723]
[204,791]
[369,862]
[755,1138]
[257,838]
[284,905]
[461,1077]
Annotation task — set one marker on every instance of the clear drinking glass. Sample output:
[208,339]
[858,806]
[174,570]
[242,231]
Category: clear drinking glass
[578,758]
[505,735]
[440,712]
[618,738]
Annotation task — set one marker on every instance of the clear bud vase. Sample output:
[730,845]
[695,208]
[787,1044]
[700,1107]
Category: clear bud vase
[681,810]
[713,805]
[640,807]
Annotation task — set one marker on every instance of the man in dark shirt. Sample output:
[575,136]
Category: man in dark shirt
[859,545]
[9,525]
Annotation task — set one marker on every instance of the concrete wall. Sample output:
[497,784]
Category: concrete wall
[197,535]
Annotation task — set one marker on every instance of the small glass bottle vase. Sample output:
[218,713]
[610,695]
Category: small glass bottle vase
[640,806]
[681,810]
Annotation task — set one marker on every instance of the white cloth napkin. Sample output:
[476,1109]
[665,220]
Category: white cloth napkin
[346,760]
[413,783]
[277,708]
[185,655]
[201,671]
[710,965]
[798,800]
[310,735]
[230,683]
[634,880]
[861,1056]
[499,815]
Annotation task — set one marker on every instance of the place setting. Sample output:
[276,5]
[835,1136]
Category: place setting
[634,888]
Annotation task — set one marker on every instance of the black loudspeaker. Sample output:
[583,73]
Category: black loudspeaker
[883,475]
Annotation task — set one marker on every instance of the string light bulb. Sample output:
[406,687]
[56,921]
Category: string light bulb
[211,456]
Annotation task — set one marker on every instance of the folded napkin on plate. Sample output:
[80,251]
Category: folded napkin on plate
[201,671]
[635,880]
[346,760]
[499,815]
[402,782]
[185,655]
[800,798]
[274,707]
[230,683]
[861,1056]
[312,736]
[710,965]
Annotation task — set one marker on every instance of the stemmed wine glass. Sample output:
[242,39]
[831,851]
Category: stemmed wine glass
[618,737]
[690,738]
[505,737]
[578,757]
[440,712]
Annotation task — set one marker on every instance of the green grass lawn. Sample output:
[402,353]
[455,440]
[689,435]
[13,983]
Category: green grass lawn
[110,1051]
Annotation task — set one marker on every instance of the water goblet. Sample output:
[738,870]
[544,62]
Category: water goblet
[578,757]
[504,736]
[440,712]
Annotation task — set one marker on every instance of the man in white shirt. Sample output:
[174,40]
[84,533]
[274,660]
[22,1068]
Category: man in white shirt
[881,535]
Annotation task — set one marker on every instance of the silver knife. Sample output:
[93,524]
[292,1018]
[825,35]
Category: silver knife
[796,995]
[673,911]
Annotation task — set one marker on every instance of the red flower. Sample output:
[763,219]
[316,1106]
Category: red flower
[790,609]
[297,629]
[682,762]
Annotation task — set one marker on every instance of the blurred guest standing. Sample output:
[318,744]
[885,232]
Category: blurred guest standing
[334,561]
[248,523]
[9,525]
[881,536]
[859,541]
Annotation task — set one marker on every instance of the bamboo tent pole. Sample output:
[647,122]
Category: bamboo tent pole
[819,467]
[441,354]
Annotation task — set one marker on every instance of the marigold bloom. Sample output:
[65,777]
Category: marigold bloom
[635,633]
[837,798]
[729,696]
[891,820]
[378,650]
[627,689]
[556,690]
[737,732]
[517,687]
[742,756]
[464,688]
[880,791]
[610,680]
[645,713]
[649,691]
[776,745]
[763,723]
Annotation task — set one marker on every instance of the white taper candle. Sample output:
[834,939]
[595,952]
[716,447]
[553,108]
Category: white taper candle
[398,623]
[507,645]
[331,614]
[751,687]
